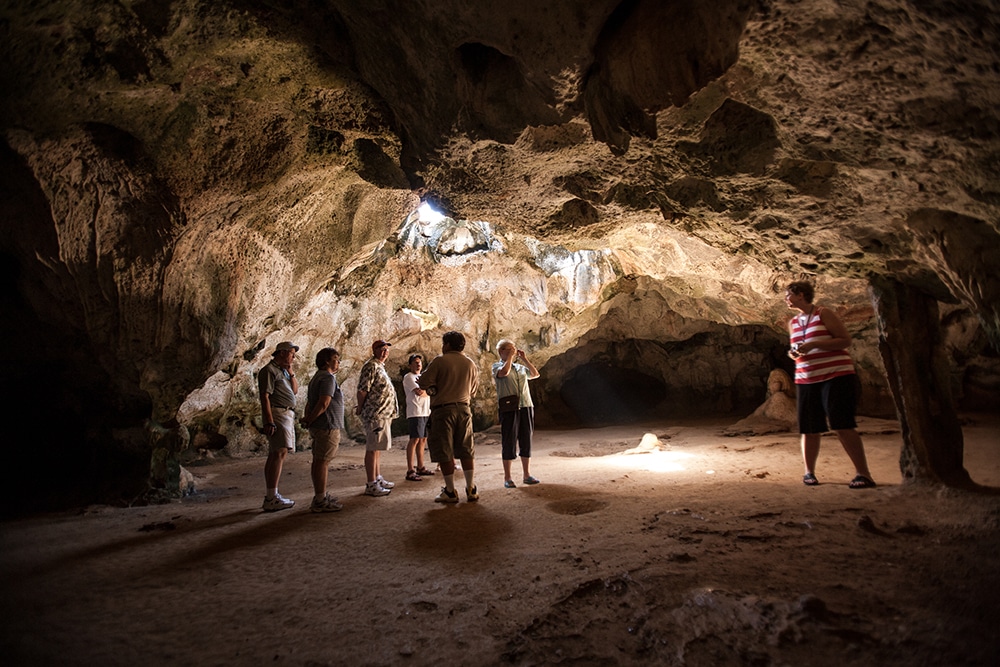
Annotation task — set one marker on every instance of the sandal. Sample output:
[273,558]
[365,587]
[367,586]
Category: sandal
[509,484]
[861,482]
[809,479]
[412,476]
[424,472]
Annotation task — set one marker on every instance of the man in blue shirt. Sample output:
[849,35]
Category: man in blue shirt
[324,417]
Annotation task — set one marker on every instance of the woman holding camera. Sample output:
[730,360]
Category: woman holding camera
[517,412]
[824,375]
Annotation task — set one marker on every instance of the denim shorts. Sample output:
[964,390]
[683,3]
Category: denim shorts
[418,426]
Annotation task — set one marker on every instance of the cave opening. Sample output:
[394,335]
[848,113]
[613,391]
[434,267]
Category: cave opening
[602,393]
[720,371]
[429,214]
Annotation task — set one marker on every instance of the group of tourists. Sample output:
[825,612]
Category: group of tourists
[439,413]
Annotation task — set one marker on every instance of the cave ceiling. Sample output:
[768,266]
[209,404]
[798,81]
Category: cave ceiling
[188,182]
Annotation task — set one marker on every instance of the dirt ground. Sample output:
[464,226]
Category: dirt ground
[709,552]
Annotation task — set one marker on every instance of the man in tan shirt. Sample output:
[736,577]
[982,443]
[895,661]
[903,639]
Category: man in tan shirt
[451,380]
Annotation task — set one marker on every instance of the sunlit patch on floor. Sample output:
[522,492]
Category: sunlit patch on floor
[652,453]
[664,461]
[594,448]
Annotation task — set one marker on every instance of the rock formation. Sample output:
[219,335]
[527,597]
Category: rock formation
[776,414]
[626,187]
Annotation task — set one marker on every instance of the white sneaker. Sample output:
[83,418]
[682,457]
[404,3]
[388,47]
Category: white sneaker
[326,504]
[384,483]
[447,496]
[376,489]
[277,503]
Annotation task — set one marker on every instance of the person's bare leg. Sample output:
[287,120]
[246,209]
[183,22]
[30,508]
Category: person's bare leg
[371,460]
[272,468]
[411,446]
[506,470]
[448,472]
[318,471]
[468,470]
[525,462]
[810,451]
[421,443]
[855,449]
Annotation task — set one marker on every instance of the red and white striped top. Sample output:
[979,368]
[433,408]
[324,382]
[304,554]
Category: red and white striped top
[817,365]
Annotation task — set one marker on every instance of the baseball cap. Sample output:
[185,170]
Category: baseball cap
[380,343]
[286,345]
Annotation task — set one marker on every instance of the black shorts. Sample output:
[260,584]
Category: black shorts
[834,399]
[515,433]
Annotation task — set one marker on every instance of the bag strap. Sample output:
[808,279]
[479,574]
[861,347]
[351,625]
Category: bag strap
[517,383]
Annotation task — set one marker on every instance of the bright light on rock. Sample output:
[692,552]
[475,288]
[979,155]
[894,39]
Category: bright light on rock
[428,321]
[429,214]
[584,272]
[450,241]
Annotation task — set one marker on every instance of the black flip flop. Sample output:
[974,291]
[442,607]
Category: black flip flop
[861,482]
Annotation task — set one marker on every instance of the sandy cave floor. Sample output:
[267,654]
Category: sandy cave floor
[711,552]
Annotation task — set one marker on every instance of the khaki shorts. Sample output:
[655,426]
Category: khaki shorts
[325,443]
[284,431]
[450,435]
[378,435]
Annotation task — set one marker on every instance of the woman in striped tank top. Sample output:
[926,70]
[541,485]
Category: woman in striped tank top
[824,375]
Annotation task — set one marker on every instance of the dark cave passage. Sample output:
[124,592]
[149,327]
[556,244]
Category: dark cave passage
[602,393]
[719,371]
